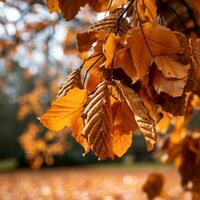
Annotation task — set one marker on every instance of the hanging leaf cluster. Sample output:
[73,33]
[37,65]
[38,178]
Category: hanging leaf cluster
[136,69]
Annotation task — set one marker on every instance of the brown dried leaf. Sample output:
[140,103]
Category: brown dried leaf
[73,80]
[171,68]
[124,125]
[99,30]
[171,86]
[98,122]
[147,10]
[144,121]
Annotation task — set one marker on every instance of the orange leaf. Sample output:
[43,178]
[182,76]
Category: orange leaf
[124,125]
[173,87]
[53,5]
[65,111]
[147,10]
[118,57]
[92,64]
[141,114]
[94,79]
[124,60]
[149,41]
[110,48]
[170,68]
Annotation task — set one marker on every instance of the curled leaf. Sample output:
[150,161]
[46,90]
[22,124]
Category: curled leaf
[171,68]
[144,121]
[73,80]
[171,86]
[66,112]
[99,30]
[98,122]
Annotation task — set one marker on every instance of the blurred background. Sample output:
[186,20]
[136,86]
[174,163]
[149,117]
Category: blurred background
[37,51]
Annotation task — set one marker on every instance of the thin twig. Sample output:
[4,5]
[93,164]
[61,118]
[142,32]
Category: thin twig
[122,14]
[96,61]
[144,37]
[92,56]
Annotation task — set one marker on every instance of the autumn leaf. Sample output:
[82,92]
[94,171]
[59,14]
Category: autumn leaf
[72,80]
[141,114]
[123,127]
[171,68]
[93,80]
[111,47]
[124,60]
[98,122]
[147,10]
[99,30]
[65,111]
[171,86]
[118,3]
[94,63]
[149,41]
[118,57]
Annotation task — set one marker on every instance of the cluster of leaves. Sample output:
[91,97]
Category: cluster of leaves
[136,70]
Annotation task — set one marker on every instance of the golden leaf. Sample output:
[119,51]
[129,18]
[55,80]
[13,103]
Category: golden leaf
[118,57]
[171,68]
[171,86]
[117,3]
[147,10]
[124,60]
[92,64]
[148,41]
[98,122]
[66,112]
[111,47]
[93,80]
[73,80]
[99,30]
[123,127]
[144,121]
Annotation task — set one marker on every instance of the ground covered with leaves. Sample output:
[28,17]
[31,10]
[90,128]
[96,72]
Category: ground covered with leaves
[87,184]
